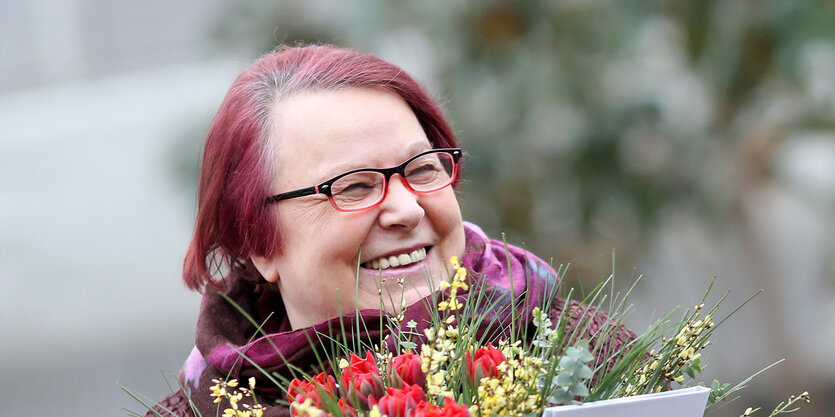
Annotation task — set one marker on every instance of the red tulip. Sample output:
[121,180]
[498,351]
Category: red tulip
[485,364]
[405,369]
[345,408]
[399,402]
[300,390]
[451,409]
[426,409]
[361,379]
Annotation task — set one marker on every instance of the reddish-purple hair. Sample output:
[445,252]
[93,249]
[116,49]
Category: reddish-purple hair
[232,220]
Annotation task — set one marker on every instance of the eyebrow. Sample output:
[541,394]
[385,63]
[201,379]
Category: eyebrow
[411,150]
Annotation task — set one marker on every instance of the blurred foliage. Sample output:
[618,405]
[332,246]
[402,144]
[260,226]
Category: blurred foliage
[586,121]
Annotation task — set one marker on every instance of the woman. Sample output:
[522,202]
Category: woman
[327,186]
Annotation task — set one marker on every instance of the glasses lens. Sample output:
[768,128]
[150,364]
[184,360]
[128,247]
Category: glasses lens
[358,190]
[430,172]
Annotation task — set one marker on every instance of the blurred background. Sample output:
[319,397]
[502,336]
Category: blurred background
[694,138]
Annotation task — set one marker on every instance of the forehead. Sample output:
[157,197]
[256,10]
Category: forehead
[317,135]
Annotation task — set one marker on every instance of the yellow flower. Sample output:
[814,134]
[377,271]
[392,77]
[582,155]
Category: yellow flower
[219,389]
[258,410]
[454,305]
[236,413]
[306,409]
[221,392]
[233,399]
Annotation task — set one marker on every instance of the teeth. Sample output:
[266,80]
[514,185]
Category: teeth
[393,261]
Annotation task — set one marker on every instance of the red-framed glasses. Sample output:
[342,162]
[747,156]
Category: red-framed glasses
[364,188]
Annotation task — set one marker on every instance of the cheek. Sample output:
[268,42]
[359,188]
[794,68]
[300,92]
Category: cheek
[305,221]
[324,234]
[445,212]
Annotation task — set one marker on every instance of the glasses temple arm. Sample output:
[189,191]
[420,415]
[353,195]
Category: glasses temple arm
[292,194]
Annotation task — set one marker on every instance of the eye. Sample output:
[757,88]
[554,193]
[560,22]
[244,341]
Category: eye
[357,185]
[428,167]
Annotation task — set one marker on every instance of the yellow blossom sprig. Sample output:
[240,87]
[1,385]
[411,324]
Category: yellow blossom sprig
[446,342]
[677,357]
[459,281]
[515,392]
[783,407]
[221,391]
[438,354]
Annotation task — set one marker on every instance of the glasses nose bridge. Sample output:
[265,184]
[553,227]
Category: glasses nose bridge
[389,172]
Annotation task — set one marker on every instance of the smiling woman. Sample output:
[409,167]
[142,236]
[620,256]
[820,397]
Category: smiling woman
[327,189]
[319,135]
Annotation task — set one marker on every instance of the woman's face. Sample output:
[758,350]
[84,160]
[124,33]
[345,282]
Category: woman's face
[317,136]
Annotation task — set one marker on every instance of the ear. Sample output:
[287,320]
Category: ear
[267,267]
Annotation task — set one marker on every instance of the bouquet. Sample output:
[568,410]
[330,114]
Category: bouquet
[451,367]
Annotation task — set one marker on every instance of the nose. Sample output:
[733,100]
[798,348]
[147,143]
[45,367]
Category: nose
[400,208]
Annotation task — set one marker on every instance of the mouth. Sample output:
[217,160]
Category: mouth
[397,260]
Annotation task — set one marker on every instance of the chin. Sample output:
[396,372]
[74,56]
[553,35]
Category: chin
[409,285]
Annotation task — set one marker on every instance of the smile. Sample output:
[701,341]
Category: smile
[394,261]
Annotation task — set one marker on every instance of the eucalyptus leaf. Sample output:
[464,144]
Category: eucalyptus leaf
[585,373]
[585,356]
[566,378]
[579,352]
[567,362]
[577,367]
[561,396]
[579,390]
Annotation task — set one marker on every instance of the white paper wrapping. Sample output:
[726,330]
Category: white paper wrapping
[687,402]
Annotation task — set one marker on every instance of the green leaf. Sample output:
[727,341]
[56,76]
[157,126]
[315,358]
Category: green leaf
[690,369]
[568,362]
[585,373]
[561,396]
[579,390]
[566,378]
